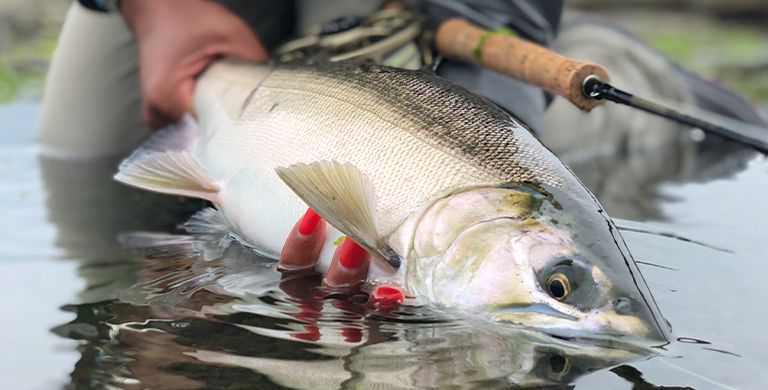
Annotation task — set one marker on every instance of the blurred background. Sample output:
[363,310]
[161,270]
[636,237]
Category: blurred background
[723,40]
[60,259]
[28,31]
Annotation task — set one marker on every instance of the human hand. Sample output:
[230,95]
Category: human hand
[177,40]
[348,269]
[349,266]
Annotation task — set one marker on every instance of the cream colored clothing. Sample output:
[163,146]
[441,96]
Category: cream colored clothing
[92,99]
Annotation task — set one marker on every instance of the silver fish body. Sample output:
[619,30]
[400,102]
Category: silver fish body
[419,171]
[401,128]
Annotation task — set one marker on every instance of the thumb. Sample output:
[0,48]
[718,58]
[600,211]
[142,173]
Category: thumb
[243,47]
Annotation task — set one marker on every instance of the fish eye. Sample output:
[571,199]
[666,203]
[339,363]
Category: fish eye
[559,365]
[559,286]
[569,280]
[553,365]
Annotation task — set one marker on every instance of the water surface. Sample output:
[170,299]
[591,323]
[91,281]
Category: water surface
[81,311]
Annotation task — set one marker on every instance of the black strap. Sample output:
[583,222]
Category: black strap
[100,5]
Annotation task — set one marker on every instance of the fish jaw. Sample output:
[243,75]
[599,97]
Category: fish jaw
[493,251]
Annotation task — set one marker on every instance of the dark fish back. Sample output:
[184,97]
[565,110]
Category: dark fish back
[457,121]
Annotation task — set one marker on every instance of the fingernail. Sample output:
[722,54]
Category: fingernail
[387,294]
[309,222]
[351,255]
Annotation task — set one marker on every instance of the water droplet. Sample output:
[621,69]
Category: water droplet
[697,135]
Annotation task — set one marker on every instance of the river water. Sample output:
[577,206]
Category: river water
[82,311]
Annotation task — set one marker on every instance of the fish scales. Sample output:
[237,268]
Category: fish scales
[400,128]
[447,117]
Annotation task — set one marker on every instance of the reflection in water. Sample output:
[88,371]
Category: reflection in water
[634,376]
[90,209]
[198,324]
[623,154]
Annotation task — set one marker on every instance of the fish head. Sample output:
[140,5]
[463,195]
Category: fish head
[534,257]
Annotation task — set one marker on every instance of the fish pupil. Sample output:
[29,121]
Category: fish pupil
[557,289]
[558,364]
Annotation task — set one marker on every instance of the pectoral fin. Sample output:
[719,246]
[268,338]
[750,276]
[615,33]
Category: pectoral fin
[174,173]
[165,163]
[344,197]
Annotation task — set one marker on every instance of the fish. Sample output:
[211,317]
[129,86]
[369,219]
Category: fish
[457,201]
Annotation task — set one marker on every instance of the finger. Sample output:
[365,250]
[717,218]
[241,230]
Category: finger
[168,95]
[349,265]
[161,100]
[156,117]
[304,243]
[386,297]
[167,100]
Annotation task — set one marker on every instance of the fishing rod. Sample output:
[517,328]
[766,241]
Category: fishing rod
[584,84]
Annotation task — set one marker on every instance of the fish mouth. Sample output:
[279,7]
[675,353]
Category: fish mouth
[509,314]
[550,320]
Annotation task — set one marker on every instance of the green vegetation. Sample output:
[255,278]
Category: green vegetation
[736,56]
[23,69]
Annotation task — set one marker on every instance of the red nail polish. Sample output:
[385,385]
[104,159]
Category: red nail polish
[309,222]
[352,335]
[312,333]
[351,255]
[387,294]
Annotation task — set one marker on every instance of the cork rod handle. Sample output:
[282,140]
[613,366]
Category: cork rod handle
[460,40]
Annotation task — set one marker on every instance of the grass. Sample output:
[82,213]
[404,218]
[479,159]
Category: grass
[23,68]
[735,56]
